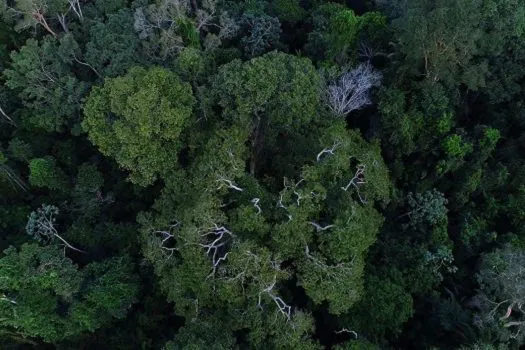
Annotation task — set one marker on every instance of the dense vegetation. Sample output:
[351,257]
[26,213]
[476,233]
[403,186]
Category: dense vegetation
[285,174]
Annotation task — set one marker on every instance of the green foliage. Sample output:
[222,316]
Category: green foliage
[262,34]
[455,146]
[44,172]
[337,31]
[113,45]
[427,208]
[288,10]
[20,150]
[44,297]
[383,309]
[42,76]
[253,218]
[148,110]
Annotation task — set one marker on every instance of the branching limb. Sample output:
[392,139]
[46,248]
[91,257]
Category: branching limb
[220,236]
[75,6]
[352,90]
[329,150]
[168,242]
[358,179]
[284,308]
[226,182]
[41,225]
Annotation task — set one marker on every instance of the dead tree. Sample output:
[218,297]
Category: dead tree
[41,225]
[352,90]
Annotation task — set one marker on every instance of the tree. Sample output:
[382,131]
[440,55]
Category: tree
[227,233]
[113,47]
[32,13]
[43,172]
[166,28]
[41,74]
[386,305]
[337,31]
[149,110]
[41,225]
[502,292]
[427,208]
[262,34]
[252,96]
[351,91]
[44,295]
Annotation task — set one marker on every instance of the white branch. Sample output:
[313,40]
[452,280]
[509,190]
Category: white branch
[220,236]
[167,239]
[284,308]
[358,179]
[329,150]
[255,202]
[228,183]
[345,330]
[319,227]
[352,90]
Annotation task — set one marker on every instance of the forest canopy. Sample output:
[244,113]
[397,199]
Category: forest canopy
[256,174]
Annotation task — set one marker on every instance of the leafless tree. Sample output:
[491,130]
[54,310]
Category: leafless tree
[352,90]
[158,24]
[41,225]
[502,297]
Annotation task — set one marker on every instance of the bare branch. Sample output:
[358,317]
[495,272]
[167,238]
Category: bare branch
[220,237]
[255,202]
[228,183]
[345,330]
[328,150]
[352,90]
[168,242]
[41,225]
[358,179]
[11,121]
[284,308]
[319,227]
[75,6]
